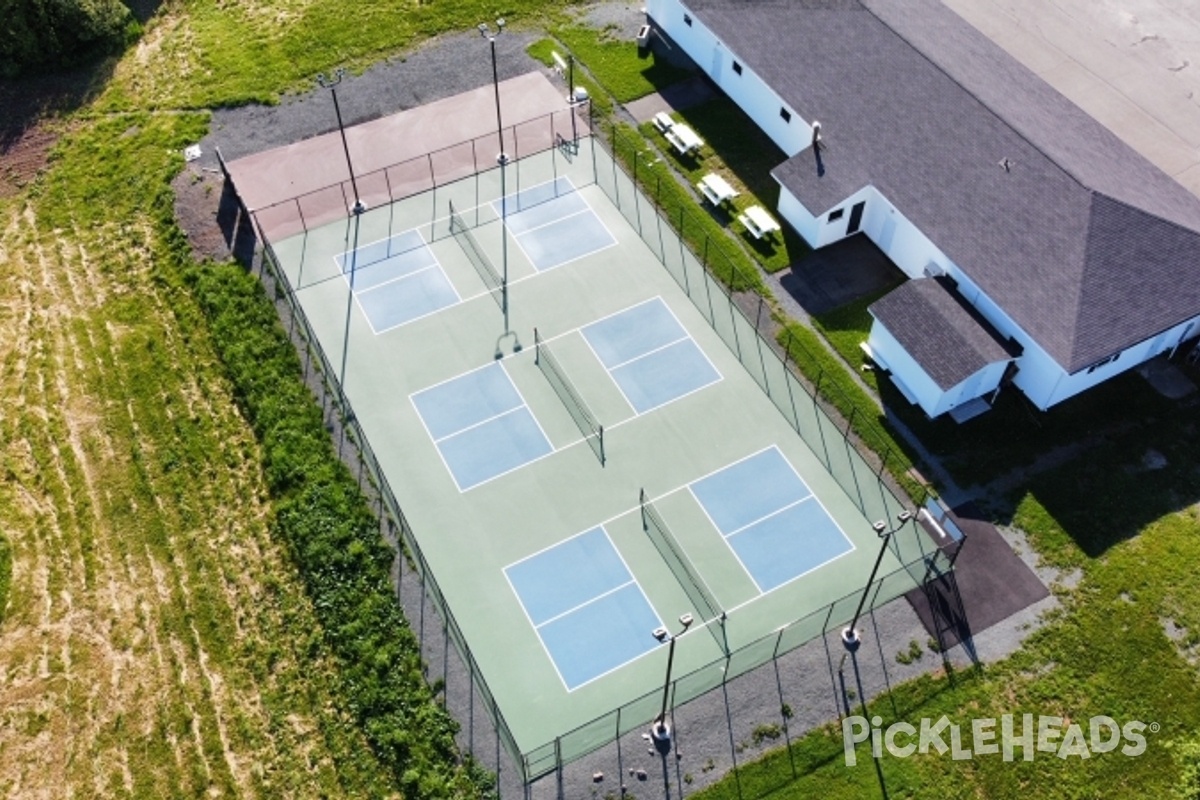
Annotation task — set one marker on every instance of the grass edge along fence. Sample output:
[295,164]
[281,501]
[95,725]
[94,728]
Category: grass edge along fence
[698,275]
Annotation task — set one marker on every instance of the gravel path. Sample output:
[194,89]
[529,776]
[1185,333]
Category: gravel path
[444,66]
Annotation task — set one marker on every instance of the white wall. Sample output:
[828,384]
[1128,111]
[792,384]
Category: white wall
[747,90]
[1048,384]
[915,381]
[912,381]
[804,223]
[1039,376]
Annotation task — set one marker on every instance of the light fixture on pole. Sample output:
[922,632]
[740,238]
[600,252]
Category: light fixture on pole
[331,84]
[851,638]
[660,730]
[502,160]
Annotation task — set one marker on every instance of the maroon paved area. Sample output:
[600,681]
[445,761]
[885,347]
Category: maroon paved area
[305,184]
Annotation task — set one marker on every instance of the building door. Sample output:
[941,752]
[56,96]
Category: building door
[855,218]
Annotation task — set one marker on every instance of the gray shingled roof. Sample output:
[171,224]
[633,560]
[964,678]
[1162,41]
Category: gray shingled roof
[1084,243]
[939,330]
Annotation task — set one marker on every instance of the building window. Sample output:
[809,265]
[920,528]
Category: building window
[1102,362]
[787,115]
[737,68]
[687,20]
[836,215]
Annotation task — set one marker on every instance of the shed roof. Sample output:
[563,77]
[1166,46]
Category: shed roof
[1085,244]
[940,330]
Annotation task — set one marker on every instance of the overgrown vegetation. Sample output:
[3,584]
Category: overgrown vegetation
[41,34]
[333,539]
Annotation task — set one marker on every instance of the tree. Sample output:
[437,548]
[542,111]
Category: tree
[61,33]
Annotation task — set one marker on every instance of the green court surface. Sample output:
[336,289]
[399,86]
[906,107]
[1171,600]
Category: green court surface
[542,549]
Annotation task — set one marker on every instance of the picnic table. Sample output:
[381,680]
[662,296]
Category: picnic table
[758,222]
[716,188]
[683,138]
[663,121]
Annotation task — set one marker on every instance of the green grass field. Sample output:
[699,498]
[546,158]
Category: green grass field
[160,636]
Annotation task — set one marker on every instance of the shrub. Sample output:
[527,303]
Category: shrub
[61,33]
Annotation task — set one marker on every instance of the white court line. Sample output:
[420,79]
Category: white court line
[579,257]
[445,276]
[811,496]
[795,578]
[650,352]
[554,221]
[537,632]
[517,194]
[525,403]
[632,580]
[475,425]
[423,246]
[620,311]
[462,374]
[736,557]
[441,457]
[511,469]
[398,278]
[677,397]
[585,603]
[766,517]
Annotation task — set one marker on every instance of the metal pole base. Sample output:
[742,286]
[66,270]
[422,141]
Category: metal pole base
[660,736]
[851,640]
[359,207]
[502,159]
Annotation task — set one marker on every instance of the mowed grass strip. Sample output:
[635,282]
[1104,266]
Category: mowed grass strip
[157,642]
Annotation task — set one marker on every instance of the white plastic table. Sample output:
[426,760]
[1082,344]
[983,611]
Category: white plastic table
[683,138]
[758,222]
[716,188]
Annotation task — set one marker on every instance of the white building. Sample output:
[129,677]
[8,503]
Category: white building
[1062,257]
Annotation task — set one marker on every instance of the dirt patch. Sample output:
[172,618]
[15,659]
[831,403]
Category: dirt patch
[22,160]
[198,192]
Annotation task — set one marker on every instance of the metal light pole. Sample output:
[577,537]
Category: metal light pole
[359,205]
[502,160]
[660,730]
[852,639]
[850,635]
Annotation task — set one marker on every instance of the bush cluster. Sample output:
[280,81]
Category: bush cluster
[333,538]
[61,33]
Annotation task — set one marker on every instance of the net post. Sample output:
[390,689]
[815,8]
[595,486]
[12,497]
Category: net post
[600,438]
[537,347]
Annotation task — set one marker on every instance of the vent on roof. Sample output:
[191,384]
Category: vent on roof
[1007,164]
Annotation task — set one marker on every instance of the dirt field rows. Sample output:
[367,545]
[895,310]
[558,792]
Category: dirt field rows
[154,644]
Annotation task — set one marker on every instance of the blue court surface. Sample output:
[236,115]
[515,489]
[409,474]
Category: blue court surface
[481,425]
[649,355]
[775,525]
[553,224]
[396,280]
[586,607]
